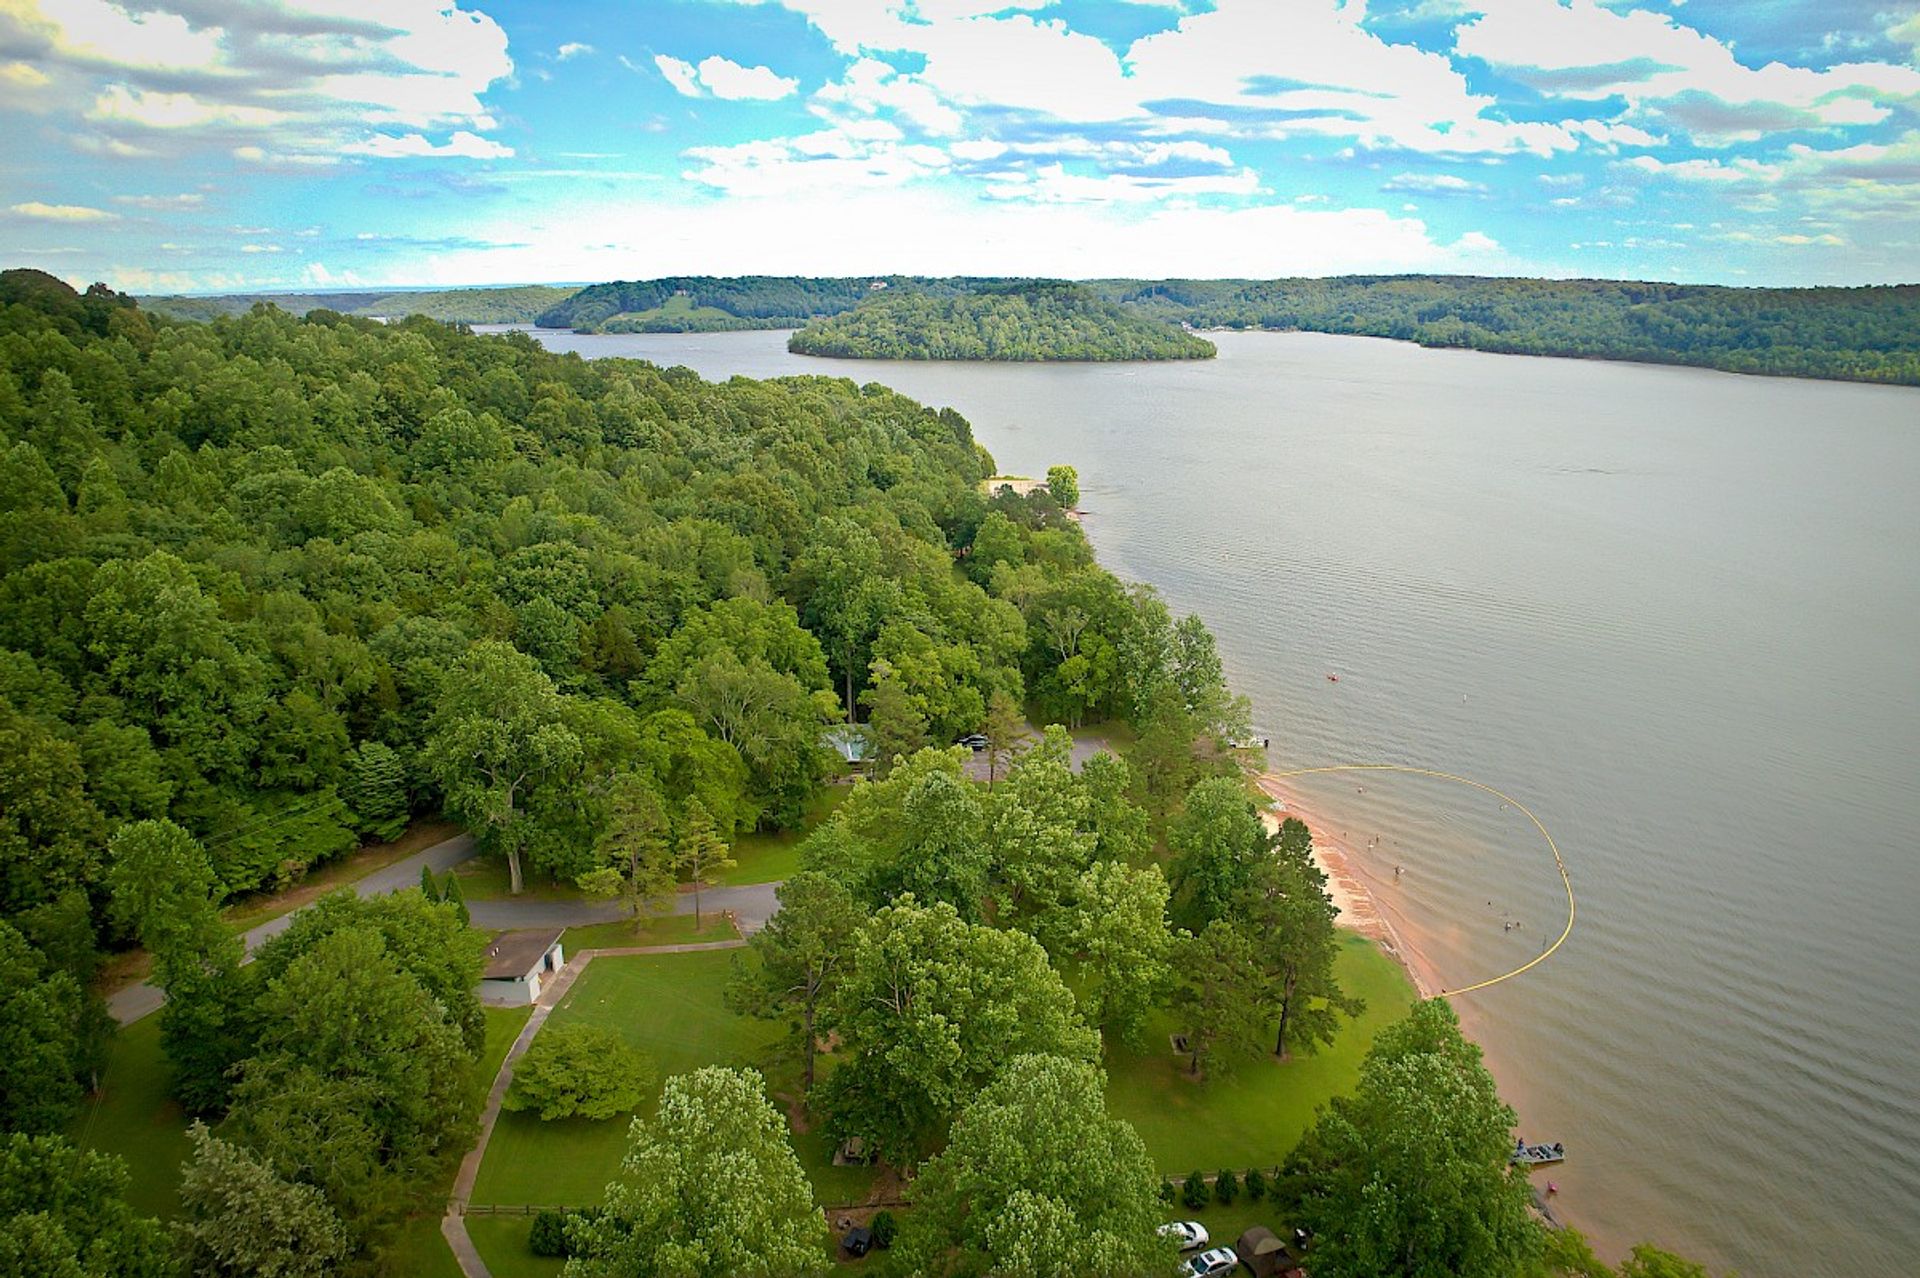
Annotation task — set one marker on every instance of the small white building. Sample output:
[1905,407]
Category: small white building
[519,964]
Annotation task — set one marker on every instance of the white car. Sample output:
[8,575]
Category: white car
[1217,1263]
[1188,1233]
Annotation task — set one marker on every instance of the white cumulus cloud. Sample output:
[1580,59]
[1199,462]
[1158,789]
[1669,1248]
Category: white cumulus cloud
[726,79]
[60,212]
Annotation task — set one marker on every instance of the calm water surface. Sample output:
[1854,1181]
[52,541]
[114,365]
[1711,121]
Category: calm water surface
[1675,612]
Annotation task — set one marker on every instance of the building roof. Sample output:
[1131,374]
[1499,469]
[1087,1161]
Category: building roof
[848,740]
[511,955]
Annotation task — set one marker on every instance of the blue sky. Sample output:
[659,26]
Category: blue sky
[225,144]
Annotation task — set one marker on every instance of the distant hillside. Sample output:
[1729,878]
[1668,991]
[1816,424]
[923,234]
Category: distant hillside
[455,306]
[1853,334]
[1027,322]
[707,303]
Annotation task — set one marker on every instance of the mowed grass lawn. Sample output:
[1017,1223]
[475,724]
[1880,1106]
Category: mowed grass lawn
[1256,1114]
[668,929]
[134,1117]
[775,856]
[668,1005]
[502,1243]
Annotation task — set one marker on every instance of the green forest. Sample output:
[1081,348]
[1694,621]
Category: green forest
[1033,322]
[517,305]
[1853,334]
[274,586]
[744,301]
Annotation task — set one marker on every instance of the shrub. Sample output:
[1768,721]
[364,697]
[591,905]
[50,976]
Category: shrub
[884,1227]
[1166,1190]
[1195,1193]
[549,1236]
[1226,1188]
[579,1070]
[454,897]
[1256,1185]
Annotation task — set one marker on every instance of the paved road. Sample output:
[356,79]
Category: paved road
[135,1001]
[752,905]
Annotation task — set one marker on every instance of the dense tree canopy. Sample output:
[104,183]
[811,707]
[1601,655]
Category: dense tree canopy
[1037,1180]
[931,1008]
[63,1215]
[1857,334]
[1027,322]
[1409,1174]
[710,1189]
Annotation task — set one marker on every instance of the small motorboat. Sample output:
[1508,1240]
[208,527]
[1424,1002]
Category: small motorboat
[1333,678]
[1537,1155]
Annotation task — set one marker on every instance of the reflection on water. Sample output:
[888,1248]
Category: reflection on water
[1674,612]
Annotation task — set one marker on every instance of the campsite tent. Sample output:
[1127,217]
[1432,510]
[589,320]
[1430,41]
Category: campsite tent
[1265,1254]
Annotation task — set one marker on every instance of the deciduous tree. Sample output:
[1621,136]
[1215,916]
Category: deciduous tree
[1117,939]
[798,959]
[710,1188]
[1064,483]
[63,1214]
[1038,1179]
[579,1070]
[1409,1174]
[1216,840]
[498,734]
[931,1009]
[42,1038]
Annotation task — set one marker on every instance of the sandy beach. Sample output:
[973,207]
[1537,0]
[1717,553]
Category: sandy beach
[1353,897]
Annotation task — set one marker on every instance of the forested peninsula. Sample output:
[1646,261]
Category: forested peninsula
[1850,334]
[1034,322]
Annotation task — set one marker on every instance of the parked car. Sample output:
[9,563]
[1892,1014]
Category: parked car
[1217,1263]
[1188,1233]
[974,741]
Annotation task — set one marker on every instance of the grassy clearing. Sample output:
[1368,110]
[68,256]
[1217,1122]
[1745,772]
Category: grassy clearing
[503,1026]
[419,1250]
[670,929]
[502,1243]
[775,855]
[1255,1115]
[670,1006]
[485,878]
[676,308]
[135,1118]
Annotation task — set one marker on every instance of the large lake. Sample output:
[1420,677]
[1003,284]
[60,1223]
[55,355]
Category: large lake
[1675,612]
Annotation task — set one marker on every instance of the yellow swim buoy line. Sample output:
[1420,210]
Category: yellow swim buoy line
[1525,811]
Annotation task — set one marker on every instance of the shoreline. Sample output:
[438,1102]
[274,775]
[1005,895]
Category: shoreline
[1353,898]
[1357,897]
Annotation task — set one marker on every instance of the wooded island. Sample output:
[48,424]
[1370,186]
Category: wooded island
[1025,323]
